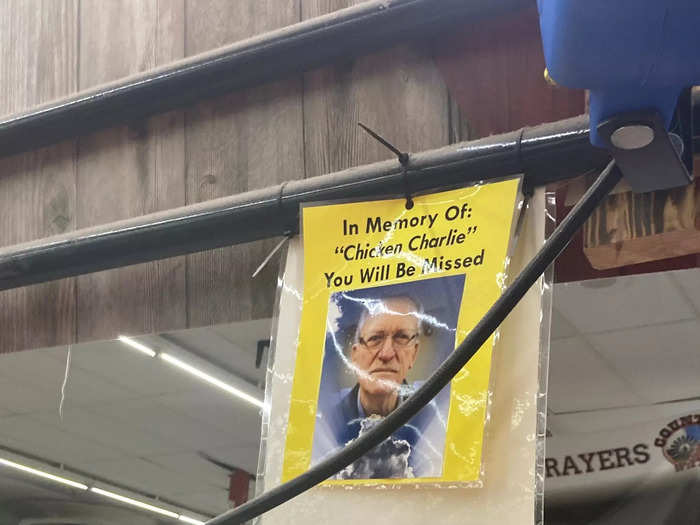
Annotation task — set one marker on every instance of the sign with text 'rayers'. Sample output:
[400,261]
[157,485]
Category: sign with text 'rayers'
[388,293]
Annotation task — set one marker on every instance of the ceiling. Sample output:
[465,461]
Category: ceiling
[133,420]
[138,423]
[625,341]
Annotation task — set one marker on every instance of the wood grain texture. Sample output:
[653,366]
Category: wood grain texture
[399,93]
[572,265]
[494,69]
[38,62]
[130,170]
[235,143]
[631,228]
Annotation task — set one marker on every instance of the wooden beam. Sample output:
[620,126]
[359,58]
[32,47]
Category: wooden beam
[38,54]
[130,170]
[634,228]
[237,142]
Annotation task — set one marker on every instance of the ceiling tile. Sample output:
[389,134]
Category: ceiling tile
[231,416]
[16,485]
[622,302]
[45,371]
[234,349]
[245,334]
[44,440]
[19,398]
[616,419]
[143,475]
[136,372]
[689,281]
[43,368]
[178,429]
[244,457]
[211,501]
[661,362]
[124,439]
[561,327]
[580,380]
[194,466]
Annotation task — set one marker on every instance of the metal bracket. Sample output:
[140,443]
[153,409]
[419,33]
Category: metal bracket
[648,156]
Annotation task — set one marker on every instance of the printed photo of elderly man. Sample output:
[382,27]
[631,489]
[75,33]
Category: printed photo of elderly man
[381,344]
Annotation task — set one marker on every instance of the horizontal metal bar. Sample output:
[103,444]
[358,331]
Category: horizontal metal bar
[340,35]
[545,153]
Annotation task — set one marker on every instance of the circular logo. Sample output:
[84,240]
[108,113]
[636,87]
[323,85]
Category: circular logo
[680,443]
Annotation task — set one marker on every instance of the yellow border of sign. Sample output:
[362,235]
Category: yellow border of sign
[493,208]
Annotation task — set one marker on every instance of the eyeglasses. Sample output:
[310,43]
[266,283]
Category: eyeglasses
[399,340]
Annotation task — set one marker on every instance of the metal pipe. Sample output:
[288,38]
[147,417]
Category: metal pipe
[340,35]
[545,153]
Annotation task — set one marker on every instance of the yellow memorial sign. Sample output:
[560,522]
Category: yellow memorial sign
[388,294]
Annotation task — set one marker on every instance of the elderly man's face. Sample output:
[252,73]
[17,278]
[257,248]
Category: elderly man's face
[387,347]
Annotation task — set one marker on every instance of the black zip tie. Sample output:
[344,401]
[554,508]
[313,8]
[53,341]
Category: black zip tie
[289,231]
[528,188]
[402,156]
[288,234]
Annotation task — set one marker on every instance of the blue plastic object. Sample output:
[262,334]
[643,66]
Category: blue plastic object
[631,54]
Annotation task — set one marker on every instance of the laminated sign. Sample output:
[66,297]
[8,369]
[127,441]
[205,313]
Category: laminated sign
[388,294]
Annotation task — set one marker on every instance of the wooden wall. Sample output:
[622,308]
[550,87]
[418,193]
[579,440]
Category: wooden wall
[420,95]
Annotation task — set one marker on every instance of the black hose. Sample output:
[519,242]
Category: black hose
[561,237]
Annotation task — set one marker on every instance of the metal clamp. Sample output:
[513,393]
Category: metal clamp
[648,156]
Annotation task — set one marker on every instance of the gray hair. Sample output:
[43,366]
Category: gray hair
[373,306]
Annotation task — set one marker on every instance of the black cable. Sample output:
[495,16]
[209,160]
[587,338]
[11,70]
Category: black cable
[559,239]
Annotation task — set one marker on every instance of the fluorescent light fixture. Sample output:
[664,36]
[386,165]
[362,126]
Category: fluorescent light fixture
[211,379]
[42,474]
[97,490]
[136,345]
[190,520]
[133,502]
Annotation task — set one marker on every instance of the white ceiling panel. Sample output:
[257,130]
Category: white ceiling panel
[35,437]
[244,457]
[35,366]
[214,501]
[85,388]
[245,334]
[616,419]
[689,281]
[124,438]
[561,327]
[19,397]
[580,380]
[195,466]
[16,485]
[155,418]
[44,371]
[141,474]
[234,346]
[136,420]
[237,419]
[661,362]
[124,366]
[619,303]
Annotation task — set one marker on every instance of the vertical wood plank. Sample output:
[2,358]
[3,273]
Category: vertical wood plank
[235,143]
[38,62]
[629,228]
[130,170]
[398,92]
[494,68]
